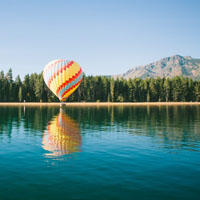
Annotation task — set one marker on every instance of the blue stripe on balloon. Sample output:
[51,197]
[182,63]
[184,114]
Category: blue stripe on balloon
[70,85]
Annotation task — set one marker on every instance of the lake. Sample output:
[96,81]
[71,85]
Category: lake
[100,153]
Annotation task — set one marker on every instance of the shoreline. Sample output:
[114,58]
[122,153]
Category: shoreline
[68,104]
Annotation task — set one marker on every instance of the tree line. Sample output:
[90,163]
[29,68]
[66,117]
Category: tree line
[101,89]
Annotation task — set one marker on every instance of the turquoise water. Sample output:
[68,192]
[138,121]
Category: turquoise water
[100,153]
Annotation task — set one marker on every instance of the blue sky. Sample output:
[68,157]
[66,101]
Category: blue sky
[105,36]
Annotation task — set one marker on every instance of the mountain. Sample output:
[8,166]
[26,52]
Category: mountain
[167,67]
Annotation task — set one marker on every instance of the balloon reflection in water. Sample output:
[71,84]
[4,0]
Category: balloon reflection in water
[62,136]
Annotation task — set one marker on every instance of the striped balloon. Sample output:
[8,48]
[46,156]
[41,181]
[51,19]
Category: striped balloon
[62,77]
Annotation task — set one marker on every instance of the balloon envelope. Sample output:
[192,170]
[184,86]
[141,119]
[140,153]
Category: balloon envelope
[62,77]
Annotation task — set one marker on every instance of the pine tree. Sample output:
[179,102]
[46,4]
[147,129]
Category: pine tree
[112,87]
[20,94]
[167,88]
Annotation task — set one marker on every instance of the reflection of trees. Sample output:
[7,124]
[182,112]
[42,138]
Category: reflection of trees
[8,118]
[35,118]
[62,135]
[177,123]
[30,118]
[169,123]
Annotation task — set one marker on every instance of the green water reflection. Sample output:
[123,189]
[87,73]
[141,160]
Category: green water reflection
[174,123]
[139,152]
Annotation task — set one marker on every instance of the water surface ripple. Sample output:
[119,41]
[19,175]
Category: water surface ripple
[141,152]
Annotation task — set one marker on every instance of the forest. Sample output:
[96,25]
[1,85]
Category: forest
[101,89]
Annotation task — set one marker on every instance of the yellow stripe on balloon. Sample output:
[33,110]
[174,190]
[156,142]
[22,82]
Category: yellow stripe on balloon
[70,92]
[53,86]
[68,74]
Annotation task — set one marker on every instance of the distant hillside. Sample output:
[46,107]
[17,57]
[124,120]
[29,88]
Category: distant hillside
[167,67]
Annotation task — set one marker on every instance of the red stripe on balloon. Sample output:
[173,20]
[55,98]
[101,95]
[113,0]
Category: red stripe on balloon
[69,81]
[48,128]
[52,65]
[59,70]
[71,88]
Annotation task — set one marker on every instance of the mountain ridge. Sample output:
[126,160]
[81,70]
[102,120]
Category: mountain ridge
[175,65]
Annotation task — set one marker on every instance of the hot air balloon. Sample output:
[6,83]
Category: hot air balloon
[62,77]
[62,136]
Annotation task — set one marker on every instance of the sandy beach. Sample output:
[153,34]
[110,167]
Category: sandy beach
[100,104]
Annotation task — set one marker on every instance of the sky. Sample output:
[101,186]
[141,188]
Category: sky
[105,37]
